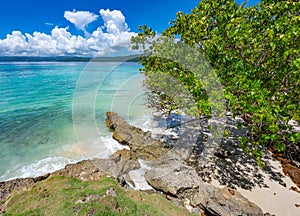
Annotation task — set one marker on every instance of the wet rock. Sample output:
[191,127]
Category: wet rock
[125,160]
[140,142]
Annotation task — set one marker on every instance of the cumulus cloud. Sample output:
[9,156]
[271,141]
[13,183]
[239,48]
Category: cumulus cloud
[114,36]
[114,21]
[80,18]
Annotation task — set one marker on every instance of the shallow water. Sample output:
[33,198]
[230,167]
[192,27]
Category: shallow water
[52,114]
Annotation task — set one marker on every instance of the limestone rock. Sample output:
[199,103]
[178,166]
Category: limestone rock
[183,181]
[113,120]
[173,180]
[6,188]
[224,202]
[140,142]
[85,170]
[201,196]
[125,161]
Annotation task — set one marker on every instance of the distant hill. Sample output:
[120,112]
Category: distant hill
[130,58]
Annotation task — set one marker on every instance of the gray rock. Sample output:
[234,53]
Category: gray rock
[183,181]
[140,142]
[118,164]
[224,202]
[230,202]
[201,196]
[173,180]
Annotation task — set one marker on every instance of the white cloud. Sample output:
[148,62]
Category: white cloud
[114,21]
[114,36]
[80,18]
[49,24]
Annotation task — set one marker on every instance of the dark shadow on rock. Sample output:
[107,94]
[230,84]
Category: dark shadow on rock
[227,163]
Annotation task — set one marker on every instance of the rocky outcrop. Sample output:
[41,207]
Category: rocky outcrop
[141,143]
[125,160]
[6,188]
[85,170]
[167,172]
[183,182]
[16,185]
[118,165]
[170,174]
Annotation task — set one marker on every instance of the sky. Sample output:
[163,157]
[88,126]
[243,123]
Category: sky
[81,27]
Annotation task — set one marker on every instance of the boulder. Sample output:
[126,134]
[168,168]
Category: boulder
[118,164]
[125,160]
[113,120]
[140,142]
[173,180]
[183,181]
[223,202]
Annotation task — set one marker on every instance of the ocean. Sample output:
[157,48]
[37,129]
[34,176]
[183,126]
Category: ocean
[53,113]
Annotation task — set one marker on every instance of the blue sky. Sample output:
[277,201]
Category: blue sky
[35,27]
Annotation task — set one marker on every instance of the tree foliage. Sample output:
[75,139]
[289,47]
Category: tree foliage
[255,51]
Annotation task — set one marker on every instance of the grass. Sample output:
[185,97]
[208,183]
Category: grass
[59,195]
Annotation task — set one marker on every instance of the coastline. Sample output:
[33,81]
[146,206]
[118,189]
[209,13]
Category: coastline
[269,198]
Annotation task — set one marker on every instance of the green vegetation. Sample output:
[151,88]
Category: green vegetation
[69,196]
[255,52]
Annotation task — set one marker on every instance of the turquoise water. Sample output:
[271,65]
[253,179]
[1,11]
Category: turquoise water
[52,114]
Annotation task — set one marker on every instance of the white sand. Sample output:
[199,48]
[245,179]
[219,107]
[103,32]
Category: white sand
[276,199]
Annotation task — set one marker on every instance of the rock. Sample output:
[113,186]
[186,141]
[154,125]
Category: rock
[113,120]
[6,188]
[12,186]
[140,142]
[293,172]
[111,191]
[129,181]
[183,181]
[187,205]
[125,161]
[173,180]
[224,202]
[41,178]
[201,196]
[230,202]
[117,165]
[89,198]
[85,170]
[120,163]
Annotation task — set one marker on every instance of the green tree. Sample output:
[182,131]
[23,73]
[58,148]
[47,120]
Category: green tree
[255,51]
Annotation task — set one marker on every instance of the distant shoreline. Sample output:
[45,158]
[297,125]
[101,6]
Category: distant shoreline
[130,58]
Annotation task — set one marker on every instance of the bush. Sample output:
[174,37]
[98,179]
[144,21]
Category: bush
[255,51]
